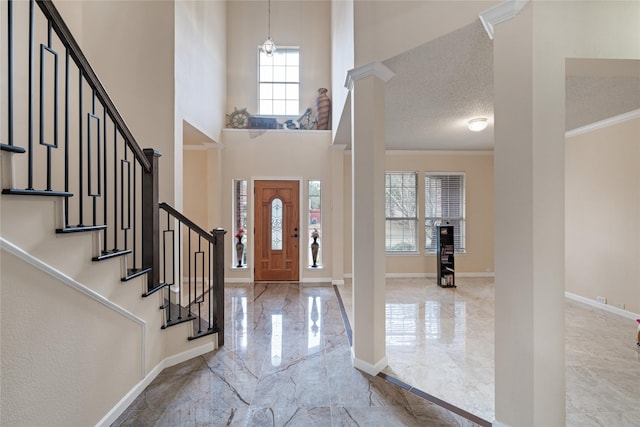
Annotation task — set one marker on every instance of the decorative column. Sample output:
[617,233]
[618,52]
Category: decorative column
[337,214]
[367,86]
[529,226]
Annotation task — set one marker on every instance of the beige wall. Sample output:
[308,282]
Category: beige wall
[136,66]
[276,154]
[87,356]
[305,24]
[200,85]
[200,63]
[478,169]
[602,210]
[196,191]
[529,77]
[342,54]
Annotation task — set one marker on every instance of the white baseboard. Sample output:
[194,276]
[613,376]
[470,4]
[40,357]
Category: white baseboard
[237,280]
[126,401]
[433,275]
[367,367]
[409,275]
[337,282]
[320,280]
[605,307]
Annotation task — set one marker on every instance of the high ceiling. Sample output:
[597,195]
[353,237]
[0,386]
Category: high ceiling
[442,84]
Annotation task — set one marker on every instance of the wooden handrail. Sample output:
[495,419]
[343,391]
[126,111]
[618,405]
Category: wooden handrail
[63,32]
[183,219]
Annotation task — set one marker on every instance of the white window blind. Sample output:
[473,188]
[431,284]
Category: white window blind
[444,205]
[401,211]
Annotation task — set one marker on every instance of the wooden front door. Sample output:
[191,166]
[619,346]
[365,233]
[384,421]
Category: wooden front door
[277,233]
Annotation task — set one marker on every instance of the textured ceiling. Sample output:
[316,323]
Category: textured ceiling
[437,88]
[442,84]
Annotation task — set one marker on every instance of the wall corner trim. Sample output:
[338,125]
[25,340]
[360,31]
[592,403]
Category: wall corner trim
[500,13]
[634,114]
[377,69]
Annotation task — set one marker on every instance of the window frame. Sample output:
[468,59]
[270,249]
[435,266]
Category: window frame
[390,219]
[281,50]
[460,230]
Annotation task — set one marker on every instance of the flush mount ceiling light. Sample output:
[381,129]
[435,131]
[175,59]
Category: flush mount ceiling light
[269,46]
[478,124]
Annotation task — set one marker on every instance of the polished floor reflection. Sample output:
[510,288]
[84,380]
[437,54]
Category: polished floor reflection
[286,361]
[441,341]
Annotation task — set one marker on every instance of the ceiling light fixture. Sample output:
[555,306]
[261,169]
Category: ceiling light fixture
[478,124]
[269,47]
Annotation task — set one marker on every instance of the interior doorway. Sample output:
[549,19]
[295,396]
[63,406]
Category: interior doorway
[277,230]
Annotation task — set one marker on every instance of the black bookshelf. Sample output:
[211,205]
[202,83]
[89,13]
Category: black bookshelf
[446,266]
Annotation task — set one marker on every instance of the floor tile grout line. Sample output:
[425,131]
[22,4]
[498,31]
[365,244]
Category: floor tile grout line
[417,392]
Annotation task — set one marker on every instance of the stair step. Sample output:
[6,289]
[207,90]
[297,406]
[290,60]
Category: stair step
[111,254]
[12,148]
[179,315]
[132,273]
[27,192]
[205,330]
[81,229]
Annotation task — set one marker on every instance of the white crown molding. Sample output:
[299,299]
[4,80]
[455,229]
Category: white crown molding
[603,123]
[377,69]
[500,13]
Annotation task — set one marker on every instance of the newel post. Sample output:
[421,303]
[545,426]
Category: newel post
[151,220]
[218,282]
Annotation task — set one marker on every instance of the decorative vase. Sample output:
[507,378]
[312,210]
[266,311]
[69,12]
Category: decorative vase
[239,251]
[323,109]
[314,252]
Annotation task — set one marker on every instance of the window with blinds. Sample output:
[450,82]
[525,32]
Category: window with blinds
[401,208]
[444,205]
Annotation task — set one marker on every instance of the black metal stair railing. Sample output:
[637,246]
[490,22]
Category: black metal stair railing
[66,138]
[192,274]
[72,141]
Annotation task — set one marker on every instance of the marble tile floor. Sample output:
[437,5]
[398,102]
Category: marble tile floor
[286,361]
[441,341]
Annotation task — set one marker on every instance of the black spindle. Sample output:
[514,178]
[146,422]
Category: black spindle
[115,186]
[104,177]
[134,229]
[10,70]
[80,151]
[30,119]
[66,138]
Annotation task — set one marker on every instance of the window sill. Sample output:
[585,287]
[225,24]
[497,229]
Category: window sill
[399,253]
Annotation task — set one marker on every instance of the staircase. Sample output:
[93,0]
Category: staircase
[96,272]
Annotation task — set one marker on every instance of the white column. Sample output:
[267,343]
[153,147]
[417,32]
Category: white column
[337,214]
[529,235]
[367,86]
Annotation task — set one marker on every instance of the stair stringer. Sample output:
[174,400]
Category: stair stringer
[65,259]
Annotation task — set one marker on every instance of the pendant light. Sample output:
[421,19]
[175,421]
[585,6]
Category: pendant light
[269,47]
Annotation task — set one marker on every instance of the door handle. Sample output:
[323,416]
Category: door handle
[295,235]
